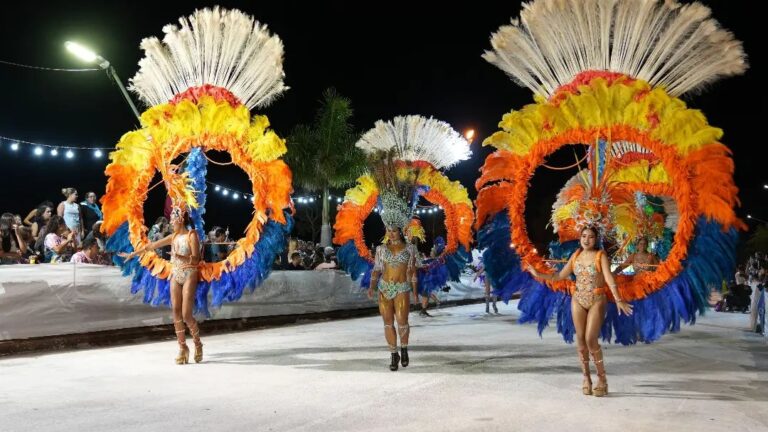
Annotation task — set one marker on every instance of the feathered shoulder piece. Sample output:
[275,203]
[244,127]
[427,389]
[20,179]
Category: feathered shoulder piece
[219,48]
[679,47]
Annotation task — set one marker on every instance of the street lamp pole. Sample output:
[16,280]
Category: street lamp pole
[89,56]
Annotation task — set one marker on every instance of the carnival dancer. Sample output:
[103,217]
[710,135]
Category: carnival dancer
[405,156]
[593,272]
[185,258]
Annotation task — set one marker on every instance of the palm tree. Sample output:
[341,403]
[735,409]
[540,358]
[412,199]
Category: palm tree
[323,155]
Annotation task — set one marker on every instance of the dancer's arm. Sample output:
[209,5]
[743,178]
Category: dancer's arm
[564,273]
[150,246]
[411,272]
[378,267]
[623,306]
[194,246]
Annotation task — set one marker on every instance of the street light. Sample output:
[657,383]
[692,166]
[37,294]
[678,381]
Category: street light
[469,135]
[89,56]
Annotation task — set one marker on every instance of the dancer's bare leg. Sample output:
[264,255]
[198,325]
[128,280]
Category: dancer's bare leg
[178,323]
[579,315]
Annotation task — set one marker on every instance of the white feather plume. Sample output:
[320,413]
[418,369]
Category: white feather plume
[220,47]
[417,138]
[678,47]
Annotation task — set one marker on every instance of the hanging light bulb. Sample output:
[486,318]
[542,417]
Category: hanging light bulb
[97,154]
[235,196]
[217,188]
[225,192]
[54,152]
[15,146]
[70,154]
[38,151]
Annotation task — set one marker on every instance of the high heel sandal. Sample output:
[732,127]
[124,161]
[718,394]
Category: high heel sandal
[183,357]
[198,350]
[586,387]
[198,344]
[601,389]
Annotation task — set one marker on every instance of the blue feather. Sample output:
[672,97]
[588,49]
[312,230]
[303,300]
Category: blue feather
[355,265]
[228,288]
[197,169]
[711,259]
[437,272]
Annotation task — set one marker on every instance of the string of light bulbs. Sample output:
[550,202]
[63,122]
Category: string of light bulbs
[236,195]
[69,152]
[40,150]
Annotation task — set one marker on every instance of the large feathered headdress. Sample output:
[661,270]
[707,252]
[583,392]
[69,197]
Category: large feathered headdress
[397,149]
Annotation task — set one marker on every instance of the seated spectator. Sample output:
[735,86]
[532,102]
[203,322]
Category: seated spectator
[97,236]
[102,257]
[160,230]
[40,220]
[218,251]
[59,241]
[26,235]
[295,263]
[318,257]
[36,212]
[12,246]
[329,260]
[89,254]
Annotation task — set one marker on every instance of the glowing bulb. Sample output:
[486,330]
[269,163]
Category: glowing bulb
[97,154]
[235,196]
[217,188]
[469,134]
[225,192]
[70,154]
[311,199]
[15,146]
[338,199]
[38,151]
[54,152]
[81,52]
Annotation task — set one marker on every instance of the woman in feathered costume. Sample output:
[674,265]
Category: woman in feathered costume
[405,155]
[607,76]
[200,83]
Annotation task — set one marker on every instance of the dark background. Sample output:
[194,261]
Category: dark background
[390,58]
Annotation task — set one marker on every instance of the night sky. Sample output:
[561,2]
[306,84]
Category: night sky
[390,58]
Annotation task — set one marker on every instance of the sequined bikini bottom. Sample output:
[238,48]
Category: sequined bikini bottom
[391,289]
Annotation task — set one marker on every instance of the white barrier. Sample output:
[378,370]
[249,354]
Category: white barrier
[58,299]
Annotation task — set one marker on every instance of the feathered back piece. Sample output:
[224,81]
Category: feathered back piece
[417,141]
[678,47]
[217,47]
[415,138]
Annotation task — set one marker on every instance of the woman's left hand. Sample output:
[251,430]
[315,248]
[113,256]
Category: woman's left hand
[624,308]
